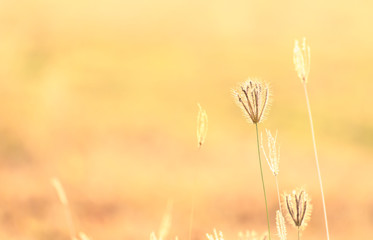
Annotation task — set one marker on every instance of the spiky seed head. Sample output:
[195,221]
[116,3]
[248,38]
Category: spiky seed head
[302,60]
[252,96]
[202,125]
[215,235]
[273,156]
[280,223]
[298,208]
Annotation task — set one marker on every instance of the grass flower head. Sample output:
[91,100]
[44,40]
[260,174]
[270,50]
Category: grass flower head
[273,156]
[298,208]
[202,125]
[302,60]
[252,96]
[280,223]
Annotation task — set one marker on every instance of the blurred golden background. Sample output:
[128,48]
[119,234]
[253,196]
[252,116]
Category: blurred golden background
[103,95]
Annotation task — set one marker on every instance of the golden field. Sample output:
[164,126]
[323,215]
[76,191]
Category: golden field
[103,95]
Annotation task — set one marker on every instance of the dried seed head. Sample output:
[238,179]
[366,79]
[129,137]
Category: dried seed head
[202,125]
[298,206]
[273,157]
[215,235]
[302,60]
[280,223]
[252,96]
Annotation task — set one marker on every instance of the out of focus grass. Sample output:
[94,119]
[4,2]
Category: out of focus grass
[102,94]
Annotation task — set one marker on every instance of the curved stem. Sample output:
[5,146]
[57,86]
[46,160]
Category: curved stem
[317,159]
[261,173]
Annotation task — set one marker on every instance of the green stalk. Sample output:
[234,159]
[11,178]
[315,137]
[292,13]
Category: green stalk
[261,172]
[298,234]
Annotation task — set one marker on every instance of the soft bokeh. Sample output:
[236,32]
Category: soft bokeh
[103,95]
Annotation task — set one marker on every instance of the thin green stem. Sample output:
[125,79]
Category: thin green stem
[261,173]
[317,159]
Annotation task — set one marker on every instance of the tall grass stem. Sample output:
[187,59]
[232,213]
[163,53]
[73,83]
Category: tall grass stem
[298,234]
[316,158]
[261,173]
